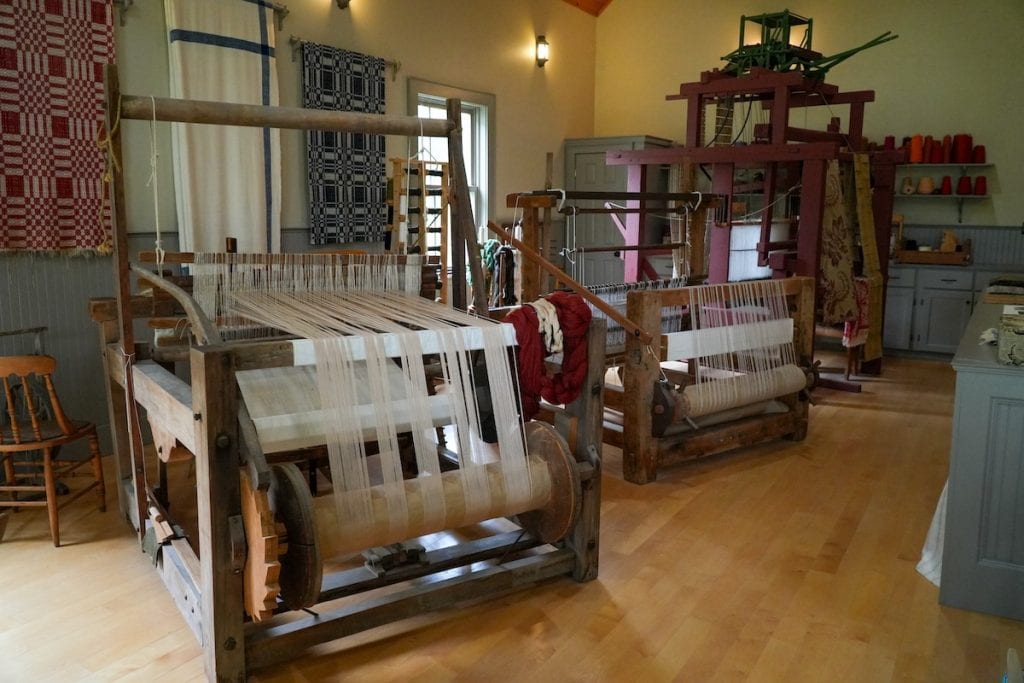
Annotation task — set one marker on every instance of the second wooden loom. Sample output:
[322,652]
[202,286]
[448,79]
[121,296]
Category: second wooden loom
[647,412]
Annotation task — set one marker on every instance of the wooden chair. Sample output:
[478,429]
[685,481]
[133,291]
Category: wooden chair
[35,422]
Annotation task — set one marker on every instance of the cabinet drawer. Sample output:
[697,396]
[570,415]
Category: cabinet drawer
[946,279]
[902,277]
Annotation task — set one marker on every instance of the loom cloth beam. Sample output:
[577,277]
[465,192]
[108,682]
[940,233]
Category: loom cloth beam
[549,514]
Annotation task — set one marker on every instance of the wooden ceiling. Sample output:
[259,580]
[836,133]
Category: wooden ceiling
[594,7]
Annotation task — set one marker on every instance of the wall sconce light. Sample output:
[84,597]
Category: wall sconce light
[543,51]
[343,4]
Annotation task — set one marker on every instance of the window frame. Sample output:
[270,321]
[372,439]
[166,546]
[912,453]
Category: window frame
[482,108]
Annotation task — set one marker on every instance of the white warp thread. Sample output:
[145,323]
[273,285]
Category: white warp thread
[327,300]
[755,374]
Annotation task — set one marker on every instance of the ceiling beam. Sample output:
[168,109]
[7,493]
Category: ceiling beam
[594,7]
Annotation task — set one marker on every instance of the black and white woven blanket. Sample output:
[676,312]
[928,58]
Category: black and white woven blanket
[346,171]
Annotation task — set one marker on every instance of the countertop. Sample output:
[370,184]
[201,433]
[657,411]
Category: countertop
[971,355]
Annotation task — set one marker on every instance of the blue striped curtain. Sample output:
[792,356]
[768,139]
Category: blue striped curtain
[228,178]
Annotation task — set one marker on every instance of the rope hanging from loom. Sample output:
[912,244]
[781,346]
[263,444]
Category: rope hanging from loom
[573,318]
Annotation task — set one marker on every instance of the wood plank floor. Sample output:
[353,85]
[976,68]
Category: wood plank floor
[787,562]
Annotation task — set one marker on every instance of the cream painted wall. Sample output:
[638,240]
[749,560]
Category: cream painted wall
[482,45]
[955,68]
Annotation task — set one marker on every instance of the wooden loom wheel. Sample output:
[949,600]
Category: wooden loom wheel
[283,557]
[264,545]
[301,568]
[553,522]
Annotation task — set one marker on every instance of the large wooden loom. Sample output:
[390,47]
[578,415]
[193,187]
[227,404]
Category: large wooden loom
[792,159]
[556,534]
[648,414]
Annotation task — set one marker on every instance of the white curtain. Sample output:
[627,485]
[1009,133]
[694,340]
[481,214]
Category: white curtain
[228,178]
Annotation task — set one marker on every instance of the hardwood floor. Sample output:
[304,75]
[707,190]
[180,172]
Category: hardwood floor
[787,562]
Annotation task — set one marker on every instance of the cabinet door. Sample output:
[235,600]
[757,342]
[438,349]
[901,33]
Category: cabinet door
[940,319]
[899,311]
[983,551]
[586,171]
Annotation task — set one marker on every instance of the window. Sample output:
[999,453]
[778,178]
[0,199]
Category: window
[427,100]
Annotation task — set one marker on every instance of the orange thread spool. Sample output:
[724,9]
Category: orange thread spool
[916,149]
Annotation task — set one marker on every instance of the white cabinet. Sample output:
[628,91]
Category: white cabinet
[983,549]
[945,301]
[899,309]
[927,309]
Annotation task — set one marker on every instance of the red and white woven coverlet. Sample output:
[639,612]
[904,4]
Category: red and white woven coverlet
[52,54]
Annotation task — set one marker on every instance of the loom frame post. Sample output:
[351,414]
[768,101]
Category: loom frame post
[215,405]
[130,461]
[466,246]
[635,224]
[642,367]
[588,414]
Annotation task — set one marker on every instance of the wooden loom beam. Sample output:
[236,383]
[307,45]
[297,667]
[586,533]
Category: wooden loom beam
[466,245]
[254,115]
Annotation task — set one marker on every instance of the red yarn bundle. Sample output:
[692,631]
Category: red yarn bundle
[534,382]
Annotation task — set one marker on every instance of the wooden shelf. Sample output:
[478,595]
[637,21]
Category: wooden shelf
[936,258]
[958,197]
[951,164]
[942,196]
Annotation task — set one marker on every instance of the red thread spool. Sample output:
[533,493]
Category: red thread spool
[947,185]
[962,147]
[936,156]
[963,186]
[890,143]
[979,154]
[947,149]
[916,149]
[981,185]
